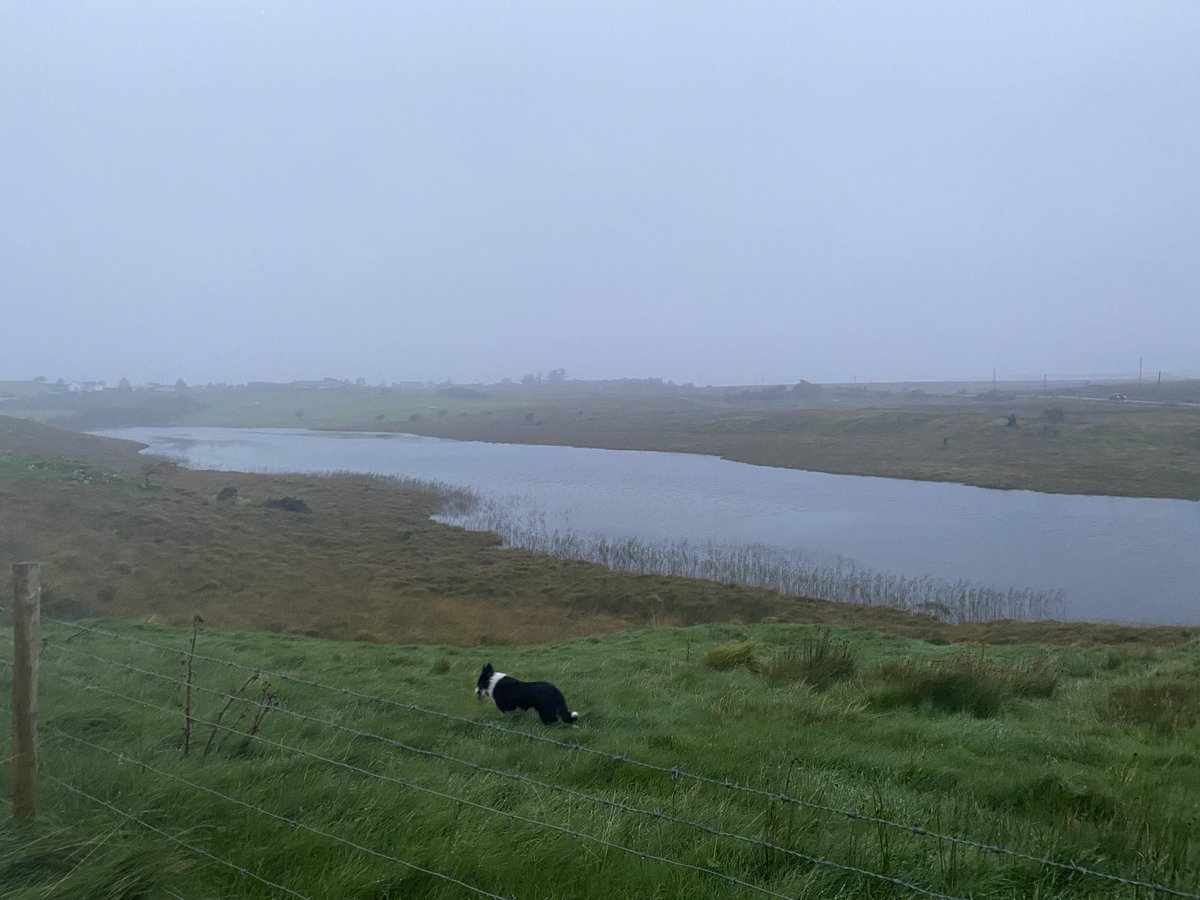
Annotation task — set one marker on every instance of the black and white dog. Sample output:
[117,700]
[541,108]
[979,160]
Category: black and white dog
[512,695]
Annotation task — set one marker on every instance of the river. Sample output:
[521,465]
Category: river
[1116,558]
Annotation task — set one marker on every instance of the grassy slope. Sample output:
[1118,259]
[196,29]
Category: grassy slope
[1060,777]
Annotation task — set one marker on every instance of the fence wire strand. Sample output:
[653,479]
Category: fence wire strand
[433,792]
[675,772]
[759,843]
[197,850]
[124,757]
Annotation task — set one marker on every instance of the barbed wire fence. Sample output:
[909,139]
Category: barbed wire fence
[443,795]
[514,776]
[57,650]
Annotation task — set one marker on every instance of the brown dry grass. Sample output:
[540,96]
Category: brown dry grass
[1124,450]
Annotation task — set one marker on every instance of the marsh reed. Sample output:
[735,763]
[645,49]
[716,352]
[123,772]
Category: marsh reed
[791,572]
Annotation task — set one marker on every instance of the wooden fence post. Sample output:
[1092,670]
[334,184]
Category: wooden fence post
[26,619]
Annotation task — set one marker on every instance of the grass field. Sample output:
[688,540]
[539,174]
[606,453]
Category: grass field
[1050,752]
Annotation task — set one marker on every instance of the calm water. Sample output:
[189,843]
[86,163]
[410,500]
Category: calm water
[1117,558]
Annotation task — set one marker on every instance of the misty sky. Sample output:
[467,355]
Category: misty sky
[718,193]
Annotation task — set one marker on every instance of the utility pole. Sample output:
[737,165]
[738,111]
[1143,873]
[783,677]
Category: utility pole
[1140,369]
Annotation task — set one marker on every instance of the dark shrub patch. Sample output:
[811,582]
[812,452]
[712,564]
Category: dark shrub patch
[1037,678]
[732,655]
[1057,798]
[1165,704]
[965,683]
[291,504]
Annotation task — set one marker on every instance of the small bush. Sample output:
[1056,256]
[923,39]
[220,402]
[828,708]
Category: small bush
[965,683]
[733,655]
[1165,704]
[819,662]
[291,504]
[1055,797]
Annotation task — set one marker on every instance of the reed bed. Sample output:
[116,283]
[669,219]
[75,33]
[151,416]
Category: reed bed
[791,572]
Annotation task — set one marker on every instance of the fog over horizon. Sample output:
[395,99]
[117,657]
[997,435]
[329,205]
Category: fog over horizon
[708,193]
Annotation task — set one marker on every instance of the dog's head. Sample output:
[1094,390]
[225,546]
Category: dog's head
[483,685]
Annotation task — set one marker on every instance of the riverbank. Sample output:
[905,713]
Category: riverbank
[1095,448]
[131,538]
[1068,439]
[955,551]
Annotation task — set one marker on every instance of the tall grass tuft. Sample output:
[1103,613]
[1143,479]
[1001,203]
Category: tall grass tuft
[965,683]
[1036,678]
[734,655]
[1167,704]
[819,662]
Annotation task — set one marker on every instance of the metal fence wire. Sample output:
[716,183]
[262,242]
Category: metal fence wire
[65,649]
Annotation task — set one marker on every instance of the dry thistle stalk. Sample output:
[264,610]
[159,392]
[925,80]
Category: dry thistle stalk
[237,695]
[197,621]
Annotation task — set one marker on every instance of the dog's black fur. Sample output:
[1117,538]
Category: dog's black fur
[512,695]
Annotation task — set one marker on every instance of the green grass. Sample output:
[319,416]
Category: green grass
[967,682]
[1053,776]
[817,661]
[734,655]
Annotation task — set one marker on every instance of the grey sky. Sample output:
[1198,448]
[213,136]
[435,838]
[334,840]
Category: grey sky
[702,192]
